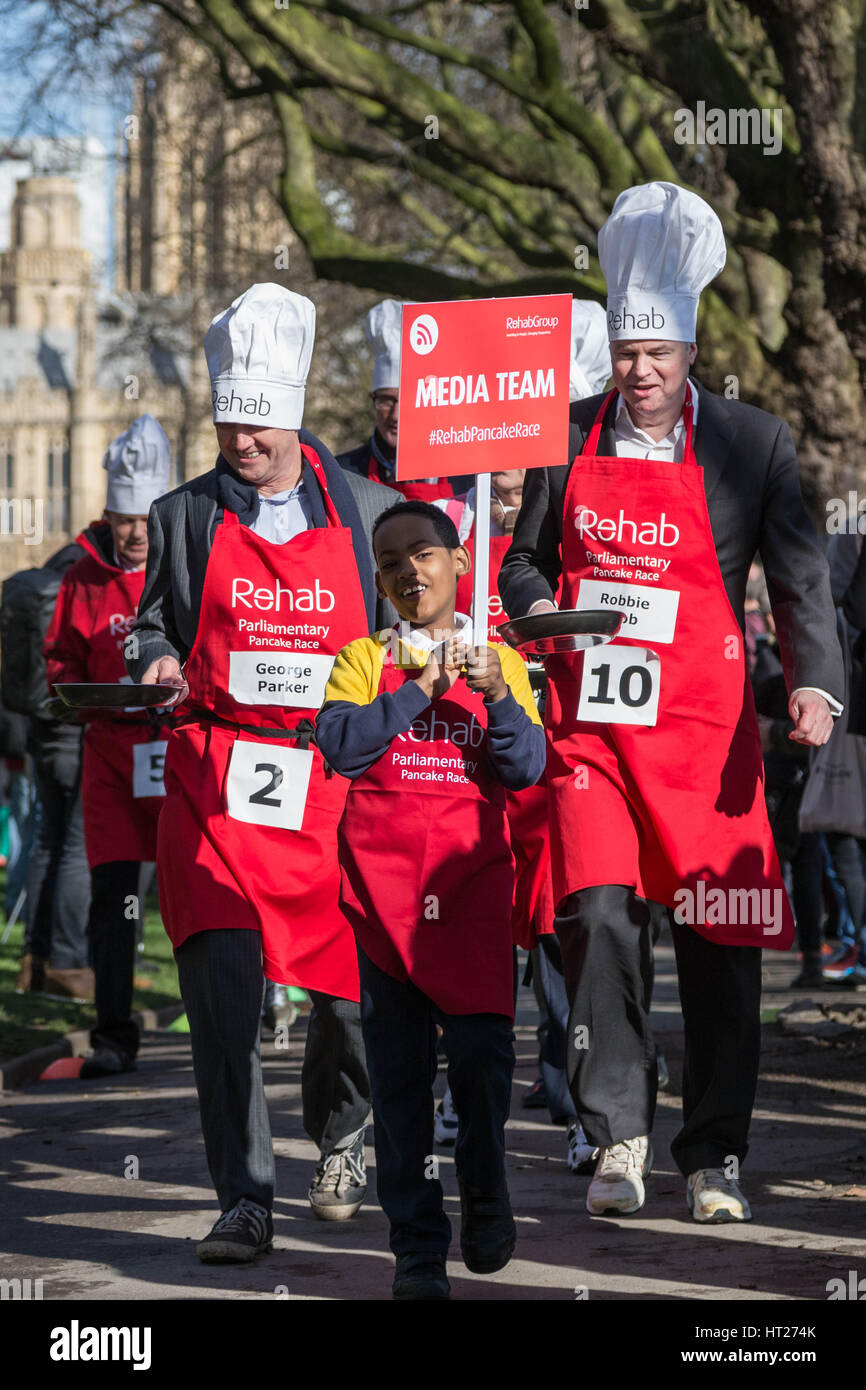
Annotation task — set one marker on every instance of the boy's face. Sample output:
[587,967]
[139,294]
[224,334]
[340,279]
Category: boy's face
[416,571]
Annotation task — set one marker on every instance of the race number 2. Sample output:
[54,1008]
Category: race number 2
[620,685]
[267,784]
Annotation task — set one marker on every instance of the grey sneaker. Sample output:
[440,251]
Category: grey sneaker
[239,1235]
[340,1184]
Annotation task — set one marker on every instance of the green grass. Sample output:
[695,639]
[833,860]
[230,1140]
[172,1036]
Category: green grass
[31,1020]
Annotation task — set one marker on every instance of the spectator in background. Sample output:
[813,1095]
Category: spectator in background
[56,950]
[19,794]
[376,458]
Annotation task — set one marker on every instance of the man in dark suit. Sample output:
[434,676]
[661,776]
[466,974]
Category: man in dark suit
[237,883]
[606,928]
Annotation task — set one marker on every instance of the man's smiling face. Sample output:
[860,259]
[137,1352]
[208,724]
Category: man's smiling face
[262,457]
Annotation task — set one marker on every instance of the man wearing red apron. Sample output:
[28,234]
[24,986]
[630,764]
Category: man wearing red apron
[654,762]
[377,458]
[122,787]
[260,571]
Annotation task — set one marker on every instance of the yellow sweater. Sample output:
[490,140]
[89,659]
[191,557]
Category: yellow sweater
[358,668]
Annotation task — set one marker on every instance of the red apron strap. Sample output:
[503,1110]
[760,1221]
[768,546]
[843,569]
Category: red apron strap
[590,446]
[314,461]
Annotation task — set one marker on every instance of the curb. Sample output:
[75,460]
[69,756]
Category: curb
[75,1044]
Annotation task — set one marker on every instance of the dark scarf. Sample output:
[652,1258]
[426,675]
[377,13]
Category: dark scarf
[386,465]
[242,498]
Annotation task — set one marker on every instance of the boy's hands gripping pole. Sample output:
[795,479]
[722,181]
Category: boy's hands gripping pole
[443,667]
[484,674]
[481,665]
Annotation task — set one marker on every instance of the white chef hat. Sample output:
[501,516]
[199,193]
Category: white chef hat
[138,467]
[658,249]
[590,349]
[384,326]
[258,356]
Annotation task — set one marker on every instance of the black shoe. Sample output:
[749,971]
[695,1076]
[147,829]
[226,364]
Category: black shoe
[664,1074]
[421,1275]
[239,1235]
[536,1097]
[487,1231]
[105,1061]
[811,972]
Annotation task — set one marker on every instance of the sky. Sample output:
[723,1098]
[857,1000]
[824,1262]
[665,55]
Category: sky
[76,125]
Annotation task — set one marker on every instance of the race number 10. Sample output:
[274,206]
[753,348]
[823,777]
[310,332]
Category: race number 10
[620,685]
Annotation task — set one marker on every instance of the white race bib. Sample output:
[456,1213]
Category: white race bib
[267,784]
[648,613]
[148,767]
[620,685]
[279,677]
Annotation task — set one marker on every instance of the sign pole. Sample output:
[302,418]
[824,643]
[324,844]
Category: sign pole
[481,582]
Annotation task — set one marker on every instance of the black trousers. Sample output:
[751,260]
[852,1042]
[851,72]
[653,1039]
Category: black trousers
[222,985]
[113,930]
[553,1011]
[399,1023]
[606,935]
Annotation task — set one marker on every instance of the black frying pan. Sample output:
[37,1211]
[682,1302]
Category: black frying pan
[544,634]
[90,695]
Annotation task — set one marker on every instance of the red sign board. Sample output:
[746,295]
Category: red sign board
[484,385]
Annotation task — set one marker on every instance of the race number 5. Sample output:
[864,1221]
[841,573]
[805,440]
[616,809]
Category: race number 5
[147,768]
[620,685]
[267,784]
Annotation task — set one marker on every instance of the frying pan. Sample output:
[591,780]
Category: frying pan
[88,695]
[544,634]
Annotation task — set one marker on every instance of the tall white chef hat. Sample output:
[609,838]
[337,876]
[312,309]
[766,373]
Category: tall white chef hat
[138,467]
[258,356]
[384,324]
[658,249]
[590,350]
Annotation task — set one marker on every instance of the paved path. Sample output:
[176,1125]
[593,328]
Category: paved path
[71,1218]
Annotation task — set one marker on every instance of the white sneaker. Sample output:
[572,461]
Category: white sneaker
[582,1156]
[713,1197]
[617,1186]
[445,1121]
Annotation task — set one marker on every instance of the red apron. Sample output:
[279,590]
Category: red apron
[122,790]
[654,758]
[248,835]
[527,809]
[427,871]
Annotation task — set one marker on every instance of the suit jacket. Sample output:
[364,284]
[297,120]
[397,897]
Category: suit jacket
[181,527]
[755,505]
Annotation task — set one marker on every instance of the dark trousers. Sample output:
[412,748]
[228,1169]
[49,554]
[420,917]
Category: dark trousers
[58,879]
[606,936]
[399,1024]
[222,985]
[548,985]
[807,890]
[113,931]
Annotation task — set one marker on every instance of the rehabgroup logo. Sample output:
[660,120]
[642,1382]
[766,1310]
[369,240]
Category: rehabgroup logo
[77,1343]
[424,334]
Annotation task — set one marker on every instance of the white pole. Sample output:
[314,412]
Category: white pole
[481,585]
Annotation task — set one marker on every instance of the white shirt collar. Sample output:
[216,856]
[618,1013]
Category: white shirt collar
[423,642]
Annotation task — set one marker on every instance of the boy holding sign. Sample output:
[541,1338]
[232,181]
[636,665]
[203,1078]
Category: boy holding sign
[431,732]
